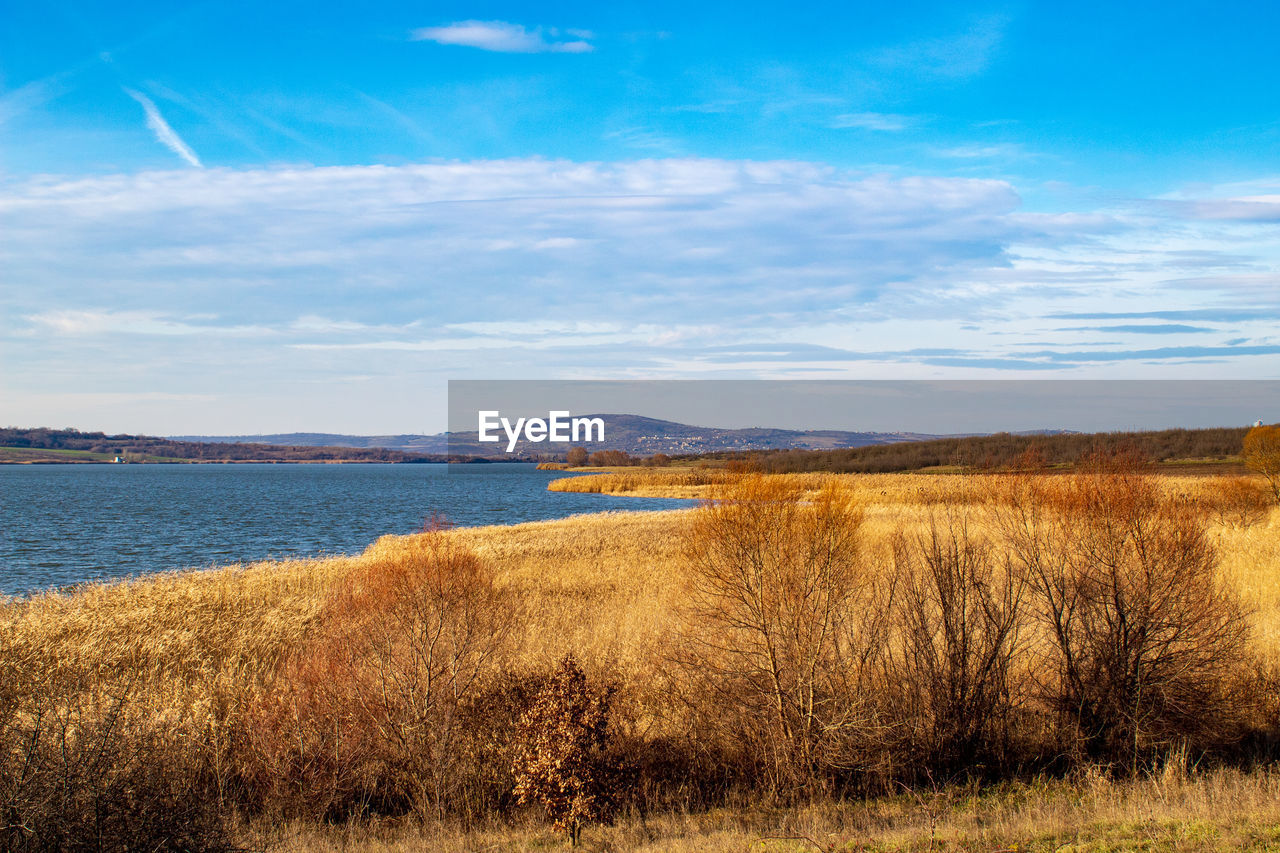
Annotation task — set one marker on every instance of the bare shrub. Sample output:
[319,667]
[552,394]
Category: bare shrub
[371,712]
[610,459]
[1238,501]
[960,618]
[562,761]
[1143,638]
[84,767]
[786,626]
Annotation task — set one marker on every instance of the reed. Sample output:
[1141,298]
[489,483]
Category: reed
[194,665]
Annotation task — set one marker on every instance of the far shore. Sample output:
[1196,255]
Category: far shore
[229,462]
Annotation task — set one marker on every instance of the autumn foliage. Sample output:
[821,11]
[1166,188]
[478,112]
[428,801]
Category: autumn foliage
[562,762]
[786,618]
[1143,639]
[792,639]
[1262,454]
[373,709]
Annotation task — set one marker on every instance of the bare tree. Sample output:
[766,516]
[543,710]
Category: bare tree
[1123,580]
[786,622]
[960,620]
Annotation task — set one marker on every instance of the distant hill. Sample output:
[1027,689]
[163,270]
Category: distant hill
[634,434]
[70,445]
[642,436]
[777,450]
[407,443]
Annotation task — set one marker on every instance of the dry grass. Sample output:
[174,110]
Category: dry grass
[1171,809]
[923,489]
[199,645]
[698,483]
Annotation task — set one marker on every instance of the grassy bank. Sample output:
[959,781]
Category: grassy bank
[220,685]
[31,455]
[1169,810]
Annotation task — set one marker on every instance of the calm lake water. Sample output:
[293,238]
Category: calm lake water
[63,524]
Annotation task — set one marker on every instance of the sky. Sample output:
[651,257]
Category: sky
[269,217]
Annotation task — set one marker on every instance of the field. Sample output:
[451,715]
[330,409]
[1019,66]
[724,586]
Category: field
[43,445]
[39,454]
[228,685]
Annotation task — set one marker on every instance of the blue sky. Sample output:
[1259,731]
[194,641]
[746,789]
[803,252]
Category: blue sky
[233,217]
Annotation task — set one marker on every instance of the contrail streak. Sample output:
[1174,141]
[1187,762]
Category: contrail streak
[166,134]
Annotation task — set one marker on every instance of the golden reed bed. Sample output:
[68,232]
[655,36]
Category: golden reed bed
[199,647]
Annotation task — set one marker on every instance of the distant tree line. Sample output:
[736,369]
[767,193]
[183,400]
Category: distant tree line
[43,438]
[1004,450]
[578,457]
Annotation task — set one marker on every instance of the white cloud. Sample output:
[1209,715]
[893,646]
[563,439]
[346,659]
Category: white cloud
[1007,151]
[512,328]
[164,133]
[1258,208]
[504,37]
[509,237]
[873,121]
[266,280]
[80,323]
[29,96]
[312,323]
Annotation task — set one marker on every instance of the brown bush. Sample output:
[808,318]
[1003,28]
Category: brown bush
[562,760]
[786,626]
[372,712]
[610,459]
[1261,453]
[310,751]
[1143,640]
[960,622]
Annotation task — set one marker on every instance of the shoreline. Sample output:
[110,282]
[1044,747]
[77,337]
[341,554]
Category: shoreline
[230,462]
[324,560]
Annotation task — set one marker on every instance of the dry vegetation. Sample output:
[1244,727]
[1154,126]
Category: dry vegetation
[876,662]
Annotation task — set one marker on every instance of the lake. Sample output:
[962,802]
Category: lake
[64,524]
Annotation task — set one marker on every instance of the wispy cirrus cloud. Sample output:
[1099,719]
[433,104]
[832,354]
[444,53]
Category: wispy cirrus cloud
[165,134]
[1259,208]
[1254,201]
[89,322]
[506,37]
[1003,150]
[957,55]
[1211,315]
[1136,329]
[889,122]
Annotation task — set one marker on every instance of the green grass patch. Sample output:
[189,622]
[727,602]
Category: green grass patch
[41,454]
